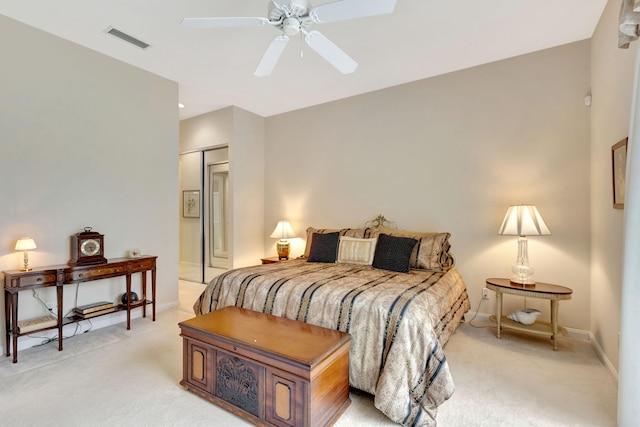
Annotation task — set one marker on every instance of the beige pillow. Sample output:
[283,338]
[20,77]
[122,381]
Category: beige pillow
[350,232]
[430,253]
[352,250]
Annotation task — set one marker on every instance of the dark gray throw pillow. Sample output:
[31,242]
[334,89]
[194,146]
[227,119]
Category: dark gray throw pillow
[393,253]
[324,247]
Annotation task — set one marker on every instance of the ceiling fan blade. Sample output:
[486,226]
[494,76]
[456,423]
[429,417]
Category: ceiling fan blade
[330,52]
[271,56]
[350,9]
[224,22]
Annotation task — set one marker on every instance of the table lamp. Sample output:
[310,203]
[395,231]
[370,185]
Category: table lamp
[523,221]
[283,231]
[25,244]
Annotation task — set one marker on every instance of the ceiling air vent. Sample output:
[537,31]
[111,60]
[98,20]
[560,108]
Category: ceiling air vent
[126,37]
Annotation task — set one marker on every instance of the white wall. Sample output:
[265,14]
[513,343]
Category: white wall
[207,130]
[451,153]
[85,141]
[246,180]
[612,86]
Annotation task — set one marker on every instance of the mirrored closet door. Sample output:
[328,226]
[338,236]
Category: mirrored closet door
[204,220]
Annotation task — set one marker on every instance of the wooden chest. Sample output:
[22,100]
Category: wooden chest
[267,369]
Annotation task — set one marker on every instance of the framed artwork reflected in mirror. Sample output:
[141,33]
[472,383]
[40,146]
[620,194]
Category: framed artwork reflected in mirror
[191,204]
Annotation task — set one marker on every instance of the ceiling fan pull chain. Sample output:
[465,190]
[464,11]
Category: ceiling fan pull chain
[301,45]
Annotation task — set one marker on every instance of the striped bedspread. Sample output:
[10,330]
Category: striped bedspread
[399,323]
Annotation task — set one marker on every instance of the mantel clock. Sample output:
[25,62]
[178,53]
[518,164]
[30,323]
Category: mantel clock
[87,248]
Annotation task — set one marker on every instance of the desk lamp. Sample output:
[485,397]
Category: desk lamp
[25,244]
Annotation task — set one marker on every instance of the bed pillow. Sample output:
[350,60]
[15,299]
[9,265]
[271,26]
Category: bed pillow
[431,252]
[394,253]
[324,247]
[350,232]
[352,250]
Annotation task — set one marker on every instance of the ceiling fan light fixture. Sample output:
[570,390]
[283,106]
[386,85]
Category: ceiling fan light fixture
[291,26]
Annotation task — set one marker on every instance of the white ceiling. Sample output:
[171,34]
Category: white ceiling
[214,67]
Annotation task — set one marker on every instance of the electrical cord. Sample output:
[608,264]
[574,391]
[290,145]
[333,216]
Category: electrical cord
[476,314]
[76,332]
[78,326]
[43,304]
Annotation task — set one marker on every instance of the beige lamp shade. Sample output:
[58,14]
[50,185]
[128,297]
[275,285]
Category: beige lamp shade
[25,244]
[523,220]
[283,231]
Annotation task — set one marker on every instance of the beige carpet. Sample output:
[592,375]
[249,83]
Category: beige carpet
[115,377]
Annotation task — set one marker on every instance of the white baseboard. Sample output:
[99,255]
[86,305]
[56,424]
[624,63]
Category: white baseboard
[28,341]
[603,357]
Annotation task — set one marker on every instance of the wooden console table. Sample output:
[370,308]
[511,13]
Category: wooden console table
[16,281]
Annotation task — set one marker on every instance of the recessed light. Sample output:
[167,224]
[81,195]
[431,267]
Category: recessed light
[180,105]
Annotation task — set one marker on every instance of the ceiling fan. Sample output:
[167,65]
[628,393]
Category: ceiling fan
[293,17]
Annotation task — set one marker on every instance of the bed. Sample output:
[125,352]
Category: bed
[399,321]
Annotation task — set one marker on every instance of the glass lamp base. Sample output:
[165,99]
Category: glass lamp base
[522,274]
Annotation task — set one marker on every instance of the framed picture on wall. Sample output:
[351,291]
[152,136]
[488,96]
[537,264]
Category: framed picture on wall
[191,204]
[619,170]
